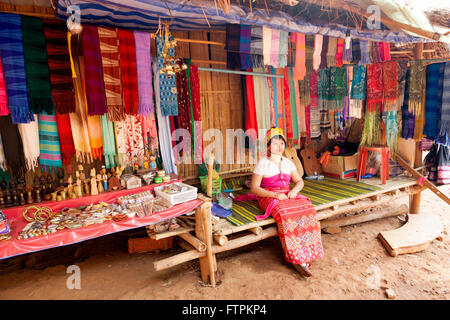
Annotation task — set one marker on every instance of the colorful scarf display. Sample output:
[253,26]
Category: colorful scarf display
[95,89]
[331,54]
[256,47]
[29,132]
[314,106]
[168,87]
[374,87]
[59,65]
[109,143]
[339,52]
[78,119]
[50,152]
[375,51]
[318,42]
[365,56]
[300,56]
[244,46]
[444,123]
[358,90]
[36,65]
[324,53]
[12,144]
[109,49]
[128,71]
[144,72]
[356,51]
[283,53]
[233,35]
[309,49]
[11,51]
[65,137]
[4,109]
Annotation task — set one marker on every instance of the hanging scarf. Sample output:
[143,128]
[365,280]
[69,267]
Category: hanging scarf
[150,133]
[331,54]
[11,51]
[365,57]
[184,112]
[416,87]
[275,48]
[267,44]
[402,68]
[65,137]
[390,85]
[50,152]
[144,72]
[283,53]
[128,71]
[4,109]
[444,123]
[168,88]
[244,46]
[95,89]
[406,115]
[339,52]
[375,52]
[324,52]
[59,65]
[314,106]
[12,144]
[78,119]
[356,51]
[318,43]
[29,132]
[251,122]
[256,47]
[300,56]
[196,112]
[135,140]
[2,156]
[309,45]
[233,35]
[121,142]
[323,87]
[385,51]
[293,105]
[340,85]
[272,84]
[374,87]
[287,106]
[36,65]
[348,50]
[358,91]
[302,126]
[95,136]
[109,49]
[109,143]
[261,105]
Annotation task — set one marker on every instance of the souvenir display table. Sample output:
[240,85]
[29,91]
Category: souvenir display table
[15,247]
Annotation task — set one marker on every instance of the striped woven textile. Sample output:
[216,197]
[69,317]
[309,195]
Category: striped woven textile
[49,142]
[318,191]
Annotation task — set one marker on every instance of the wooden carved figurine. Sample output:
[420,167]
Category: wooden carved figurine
[100,184]
[78,189]
[94,189]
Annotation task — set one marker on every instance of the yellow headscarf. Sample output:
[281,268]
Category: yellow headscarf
[272,132]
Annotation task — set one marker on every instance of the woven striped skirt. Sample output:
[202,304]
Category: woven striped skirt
[298,229]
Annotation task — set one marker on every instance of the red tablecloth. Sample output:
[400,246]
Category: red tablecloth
[15,247]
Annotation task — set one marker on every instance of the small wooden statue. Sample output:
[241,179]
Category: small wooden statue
[94,189]
[114,182]
[152,162]
[146,163]
[135,164]
[100,187]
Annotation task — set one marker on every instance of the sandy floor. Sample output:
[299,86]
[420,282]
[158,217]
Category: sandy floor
[354,262]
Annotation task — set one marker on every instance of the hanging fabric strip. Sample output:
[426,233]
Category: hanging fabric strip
[444,123]
[374,87]
[280,101]
[95,89]
[11,50]
[65,137]
[95,136]
[356,51]
[324,84]
[300,56]
[287,106]
[339,52]
[275,48]
[109,48]
[135,140]
[271,87]
[59,65]
[50,152]
[250,110]
[318,42]
[416,87]
[314,106]
[128,71]
[272,70]
[375,52]
[309,45]
[109,143]
[29,133]
[244,46]
[183,94]
[283,51]
[324,53]
[267,44]
[405,112]
[233,35]
[358,91]
[2,156]
[331,54]
[168,88]
[144,72]
[121,143]
[348,50]
[4,109]
[301,124]
[365,57]
[194,85]
[12,144]
[78,119]
[69,48]
[36,65]
[261,105]
[256,47]
[390,85]
[293,105]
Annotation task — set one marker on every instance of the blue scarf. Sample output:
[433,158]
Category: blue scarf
[11,50]
[435,80]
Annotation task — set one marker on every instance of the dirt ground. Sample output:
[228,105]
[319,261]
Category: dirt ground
[355,266]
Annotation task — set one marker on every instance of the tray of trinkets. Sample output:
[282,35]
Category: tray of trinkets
[176,193]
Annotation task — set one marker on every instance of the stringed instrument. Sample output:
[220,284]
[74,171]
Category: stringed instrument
[291,154]
[310,163]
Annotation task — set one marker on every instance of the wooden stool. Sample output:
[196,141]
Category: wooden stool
[362,162]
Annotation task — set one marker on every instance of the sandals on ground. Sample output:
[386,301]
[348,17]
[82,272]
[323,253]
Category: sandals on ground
[303,269]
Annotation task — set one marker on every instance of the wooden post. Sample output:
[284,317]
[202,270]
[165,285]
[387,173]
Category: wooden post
[210,172]
[203,231]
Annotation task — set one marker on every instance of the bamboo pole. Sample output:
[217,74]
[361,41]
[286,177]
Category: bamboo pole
[184,245]
[220,239]
[176,232]
[256,230]
[365,217]
[193,241]
[210,173]
[206,219]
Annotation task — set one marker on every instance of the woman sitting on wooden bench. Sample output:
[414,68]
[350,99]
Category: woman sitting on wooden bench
[298,228]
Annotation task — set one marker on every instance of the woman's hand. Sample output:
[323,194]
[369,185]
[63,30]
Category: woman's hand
[280,196]
[292,194]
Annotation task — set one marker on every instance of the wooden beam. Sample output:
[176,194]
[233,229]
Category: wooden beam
[193,241]
[176,232]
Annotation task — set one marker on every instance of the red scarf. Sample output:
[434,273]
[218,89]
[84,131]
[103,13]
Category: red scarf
[287,105]
[4,109]
[128,71]
[65,137]
[390,85]
[250,110]
[374,87]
